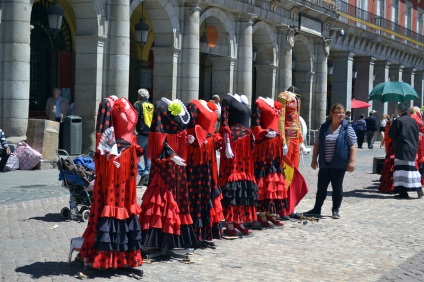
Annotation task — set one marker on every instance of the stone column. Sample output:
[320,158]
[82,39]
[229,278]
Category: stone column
[16,67]
[395,74]
[408,75]
[286,39]
[89,55]
[118,48]
[165,72]
[190,53]
[244,56]
[265,81]
[341,91]
[319,99]
[364,82]
[222,75]
[419,86]
[381,69]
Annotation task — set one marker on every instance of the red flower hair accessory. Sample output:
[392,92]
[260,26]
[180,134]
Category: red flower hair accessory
[278,106]
[212,106]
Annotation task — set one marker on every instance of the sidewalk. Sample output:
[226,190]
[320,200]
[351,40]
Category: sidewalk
[377,237]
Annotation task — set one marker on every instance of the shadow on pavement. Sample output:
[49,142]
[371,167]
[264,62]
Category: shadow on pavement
[50,217]
[62,269]
[370,192]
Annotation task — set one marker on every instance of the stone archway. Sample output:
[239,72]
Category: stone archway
[265,57]
[158,59]
[303,75]
[217,53]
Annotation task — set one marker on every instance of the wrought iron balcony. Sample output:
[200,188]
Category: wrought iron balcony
[377,24]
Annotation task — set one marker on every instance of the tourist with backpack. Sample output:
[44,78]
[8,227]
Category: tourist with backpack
[145,113]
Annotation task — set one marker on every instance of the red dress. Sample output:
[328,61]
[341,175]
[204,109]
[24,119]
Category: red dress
[202,172]
[112,238]
[420,155]
[165,215]
[386,179]
[236,175]
[268,157]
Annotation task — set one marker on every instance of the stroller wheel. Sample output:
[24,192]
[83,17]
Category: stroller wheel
[65,213]
[84,215]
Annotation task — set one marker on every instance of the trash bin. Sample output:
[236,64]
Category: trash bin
[72,135]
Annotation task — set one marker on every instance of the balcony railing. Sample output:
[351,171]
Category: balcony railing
[377,24]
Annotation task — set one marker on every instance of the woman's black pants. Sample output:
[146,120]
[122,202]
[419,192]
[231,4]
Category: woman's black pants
[325,177]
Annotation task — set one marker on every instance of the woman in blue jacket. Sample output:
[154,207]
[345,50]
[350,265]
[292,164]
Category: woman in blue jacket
[336,149]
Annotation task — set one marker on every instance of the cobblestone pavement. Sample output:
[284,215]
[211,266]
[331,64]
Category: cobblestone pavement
[378,238]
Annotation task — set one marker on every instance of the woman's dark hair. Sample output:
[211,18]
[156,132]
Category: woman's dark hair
[361,116]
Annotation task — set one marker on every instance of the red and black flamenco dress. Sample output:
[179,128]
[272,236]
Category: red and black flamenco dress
[386,178]
[165,215]
[268,158]
[112,238]
[236,175]
[202,172]
[420,154]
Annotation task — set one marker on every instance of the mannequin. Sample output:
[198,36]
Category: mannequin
[112,238]
[202,171]
[289,125]
[268,158]
[165,216]
[236,174]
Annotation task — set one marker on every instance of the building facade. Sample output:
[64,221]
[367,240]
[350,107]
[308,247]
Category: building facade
[196,49]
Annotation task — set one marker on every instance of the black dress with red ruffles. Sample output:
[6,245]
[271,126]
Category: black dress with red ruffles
[236,175]
[202,173]
[268,158]
[165,215]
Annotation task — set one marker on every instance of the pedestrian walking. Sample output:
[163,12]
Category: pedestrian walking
[217,101]
[360,127]
[145,114]
[336,149]
[383,123]
[57,108]
[404,132]
[371,128]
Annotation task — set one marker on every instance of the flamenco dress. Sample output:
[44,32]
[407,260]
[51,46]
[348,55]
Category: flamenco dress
[165,214]
[112,238]
[268,157]
[202,171]
[420,155]
[236,175]
[386,178]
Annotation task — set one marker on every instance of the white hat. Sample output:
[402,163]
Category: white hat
[373,111]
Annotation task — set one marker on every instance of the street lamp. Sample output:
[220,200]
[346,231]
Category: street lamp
[142,32]
[330,67]
[55,14]
[293,63]
[142,29]
[254,53]
[354,71]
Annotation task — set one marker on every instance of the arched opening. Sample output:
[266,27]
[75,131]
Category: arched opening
[214,58]
[52,59]
[264,69]
[302,76]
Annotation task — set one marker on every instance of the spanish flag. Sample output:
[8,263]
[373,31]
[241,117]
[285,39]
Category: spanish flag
[297,187]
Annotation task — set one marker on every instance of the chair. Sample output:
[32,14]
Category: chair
[76,244]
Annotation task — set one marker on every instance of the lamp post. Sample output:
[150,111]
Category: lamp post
[142,29]
[142,32]
[55,14]
[254,53]
[330,67]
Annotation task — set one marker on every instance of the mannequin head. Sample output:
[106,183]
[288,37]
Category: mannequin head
[124,119]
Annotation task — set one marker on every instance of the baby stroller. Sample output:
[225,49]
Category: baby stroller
[77,176]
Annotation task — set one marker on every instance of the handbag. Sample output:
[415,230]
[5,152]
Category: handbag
[12,162]
[28,157]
